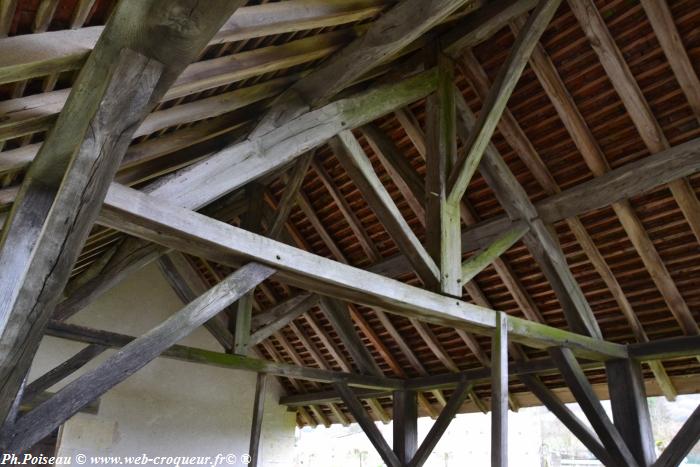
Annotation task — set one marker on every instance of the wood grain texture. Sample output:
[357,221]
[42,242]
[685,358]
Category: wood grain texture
[133,356]
[141,214]
[51,217]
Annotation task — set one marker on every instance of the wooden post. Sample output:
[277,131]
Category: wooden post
[405,425]
[499,393]
[590,405]
[442,217]
[244,308]
[630,409]
[258,412]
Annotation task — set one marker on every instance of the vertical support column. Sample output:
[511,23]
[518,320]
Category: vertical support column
[244,308]
[499,393]
[258,411]
[630,409]
[405,425]
[442,217]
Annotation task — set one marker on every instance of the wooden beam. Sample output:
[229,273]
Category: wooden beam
[634,101]
[7,14]
[222,360]
[358,412]
[60,372]
[52,216]
[44,15]
[284,207]
[66,182]
[681,445]
[482,24]
[630,410]
[442,216]
[233,167]
[661,19]
[282,315]
[484,257]
[386,36]
[337,313]
[495,103]
[574,122]
[402,174]
[56,51]
[132,357]
[441,424]
[405,411]
[143,215]
[539,240]
[591,406]
[624,182]
[251,221]
[256,424]
[499,393]
[81,13]
[188,285]
[567,417]
[359,168]
[666,349]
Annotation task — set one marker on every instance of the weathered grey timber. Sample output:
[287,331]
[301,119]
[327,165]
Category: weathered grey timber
[370,429]
[222,360]
[86,146]
[52,217]
[358,166]
[438,429]
[231,168]
[258,412]
[337,313]
[132,357]
[61,371]
[402,174]
[188,285]
[284,207]
[280,316]
[642,116]
[495,103]
[55,51]
[141,214]
[626,181]
[590,404]
[442,222]
[539,240]
[385,37]
[485,256]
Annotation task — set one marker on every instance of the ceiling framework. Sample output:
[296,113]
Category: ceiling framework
[426,206]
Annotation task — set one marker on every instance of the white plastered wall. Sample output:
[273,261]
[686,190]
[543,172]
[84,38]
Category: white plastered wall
[168,408]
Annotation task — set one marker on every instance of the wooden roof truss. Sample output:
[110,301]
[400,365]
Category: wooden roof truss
[203,162]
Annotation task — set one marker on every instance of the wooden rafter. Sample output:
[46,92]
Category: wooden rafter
[495,102]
